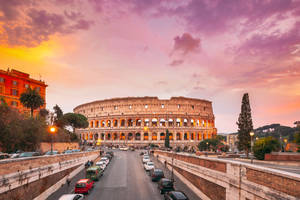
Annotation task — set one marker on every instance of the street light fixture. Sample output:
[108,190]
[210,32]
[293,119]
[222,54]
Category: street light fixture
[52,130]
[251,135]
[285,142]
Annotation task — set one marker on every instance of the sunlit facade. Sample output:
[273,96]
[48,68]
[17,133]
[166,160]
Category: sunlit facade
[13,83]
[142,120]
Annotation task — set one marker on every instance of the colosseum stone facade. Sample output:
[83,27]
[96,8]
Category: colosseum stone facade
[143,120]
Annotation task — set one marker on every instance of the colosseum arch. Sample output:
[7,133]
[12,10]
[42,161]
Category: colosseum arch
[122,124]
[170,136]
[138,122]
[137,136]
[181,116]
[186,136]
[96,136]
[122,136]
[162,136]
[130,136]
[130,122]
[154,122]
[115,123]
[178,136]
[115,136]
[146,136]
[154,136]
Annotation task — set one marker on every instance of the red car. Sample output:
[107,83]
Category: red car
[83,186]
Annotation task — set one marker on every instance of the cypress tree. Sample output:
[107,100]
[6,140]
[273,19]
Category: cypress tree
[245,125]
[167,139]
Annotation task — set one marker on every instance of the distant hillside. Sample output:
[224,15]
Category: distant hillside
[276,130]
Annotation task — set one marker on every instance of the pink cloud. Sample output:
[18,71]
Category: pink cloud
[186,44]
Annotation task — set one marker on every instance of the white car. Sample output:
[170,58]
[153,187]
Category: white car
[124,148]
[101,164]
[105,160]
[146,159]
[71,197]
[148,166]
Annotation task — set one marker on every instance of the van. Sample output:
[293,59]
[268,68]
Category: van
[94,173]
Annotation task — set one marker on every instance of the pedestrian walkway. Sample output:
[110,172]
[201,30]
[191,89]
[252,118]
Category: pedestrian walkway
[179,185]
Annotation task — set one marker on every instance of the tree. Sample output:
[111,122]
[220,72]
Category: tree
[58,119]
[265,145]
[167,139]
[31,99]
[75,120]
[245,125]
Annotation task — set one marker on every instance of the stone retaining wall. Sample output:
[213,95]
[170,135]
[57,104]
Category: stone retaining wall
[231,180]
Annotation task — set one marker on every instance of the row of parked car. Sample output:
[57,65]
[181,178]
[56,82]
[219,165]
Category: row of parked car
[165,185]
[93,173]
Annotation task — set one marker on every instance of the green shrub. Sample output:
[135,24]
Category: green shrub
[265,145]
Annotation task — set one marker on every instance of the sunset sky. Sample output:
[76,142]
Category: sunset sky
[88,50]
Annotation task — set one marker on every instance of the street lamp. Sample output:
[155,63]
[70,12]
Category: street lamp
[285,142]
[251,134]
[52,130]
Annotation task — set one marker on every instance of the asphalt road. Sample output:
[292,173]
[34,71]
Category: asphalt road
[125,179]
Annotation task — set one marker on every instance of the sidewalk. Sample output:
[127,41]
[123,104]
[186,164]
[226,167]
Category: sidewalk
[179,185]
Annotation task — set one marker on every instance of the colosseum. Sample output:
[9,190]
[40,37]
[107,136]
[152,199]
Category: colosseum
[139,121]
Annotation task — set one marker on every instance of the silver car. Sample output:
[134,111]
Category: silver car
[71,197]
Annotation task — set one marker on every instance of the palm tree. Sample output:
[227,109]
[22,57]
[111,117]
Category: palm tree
[31,99]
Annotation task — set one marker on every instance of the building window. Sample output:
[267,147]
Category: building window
[146,106]
[1,90]
[38,89]
[14,103]
[14,92]
[193,107]
[26,86]
[130,106]
[162,105]
[92,110]
[101,108]
[116,107]
[2,80]
[15,83]
[178,106]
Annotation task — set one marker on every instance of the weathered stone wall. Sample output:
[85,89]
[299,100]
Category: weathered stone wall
[32,190]
[58,146]
[17,165]
[232,180]
[283,157]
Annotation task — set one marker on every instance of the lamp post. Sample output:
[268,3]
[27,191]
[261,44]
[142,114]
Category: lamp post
[52,130]
[251,135]
[285,142]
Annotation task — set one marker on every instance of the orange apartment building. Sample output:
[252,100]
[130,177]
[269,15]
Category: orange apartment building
[13,83]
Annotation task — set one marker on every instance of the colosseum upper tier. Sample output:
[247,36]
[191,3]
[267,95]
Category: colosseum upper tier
[142,120]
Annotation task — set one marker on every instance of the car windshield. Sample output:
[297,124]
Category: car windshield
[146,157]
[150,163]
[179,195]
[27,154]
[90,172]
[80,185]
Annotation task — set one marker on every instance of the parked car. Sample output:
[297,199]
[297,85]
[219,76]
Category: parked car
[83,186]
[71,197]
[148,166]
[105,159]
[156,174]
[94,173]
[14,155]
[49,153]
[4,155]
[90,149]
[108,156]
[175,195]
[110,153]
[29,154]
[101,164]
[146,159]
[67,151]
[142,153]
[76,150]
[165,185]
